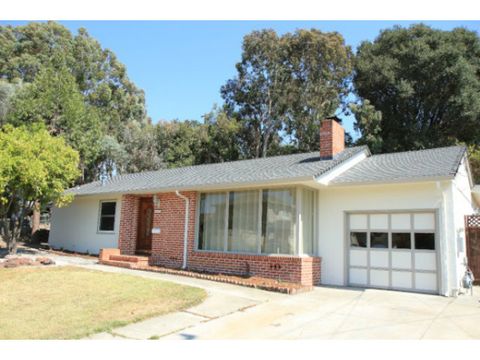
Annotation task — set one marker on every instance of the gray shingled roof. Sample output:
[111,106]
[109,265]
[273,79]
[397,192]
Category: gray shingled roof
[405,166]
[276,168]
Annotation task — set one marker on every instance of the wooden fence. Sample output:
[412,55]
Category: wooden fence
[472,231]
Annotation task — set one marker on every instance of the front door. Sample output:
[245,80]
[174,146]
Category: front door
[145,223]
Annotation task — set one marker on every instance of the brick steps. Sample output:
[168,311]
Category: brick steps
[140,260]
[114,258]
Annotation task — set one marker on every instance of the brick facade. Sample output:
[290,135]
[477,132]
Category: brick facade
[127,239]
[167,247]
[332,138]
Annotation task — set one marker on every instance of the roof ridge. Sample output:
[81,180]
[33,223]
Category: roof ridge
[231,161]
[419,150]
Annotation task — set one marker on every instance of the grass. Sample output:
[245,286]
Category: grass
[71,303]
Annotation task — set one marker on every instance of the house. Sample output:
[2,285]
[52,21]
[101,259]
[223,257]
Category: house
[340,216]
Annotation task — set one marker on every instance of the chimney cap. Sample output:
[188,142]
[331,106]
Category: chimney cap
[335,118]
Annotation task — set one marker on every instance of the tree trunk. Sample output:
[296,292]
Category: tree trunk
[36,218]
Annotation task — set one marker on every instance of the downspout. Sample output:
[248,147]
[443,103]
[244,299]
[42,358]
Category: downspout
[185,230]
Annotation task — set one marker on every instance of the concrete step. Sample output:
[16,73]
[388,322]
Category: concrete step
[139,260]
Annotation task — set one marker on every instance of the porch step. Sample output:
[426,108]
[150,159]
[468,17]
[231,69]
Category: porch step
[136,260]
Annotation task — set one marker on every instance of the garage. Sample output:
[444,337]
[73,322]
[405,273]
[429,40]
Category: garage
[393,250]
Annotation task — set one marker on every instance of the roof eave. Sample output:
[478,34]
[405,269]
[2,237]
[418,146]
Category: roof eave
[394,182]
[211,187]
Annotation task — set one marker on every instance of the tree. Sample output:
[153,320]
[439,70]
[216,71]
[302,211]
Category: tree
[7,91]
[33,166]
[220,138]
[77,87]
[53,98]
[258,91]
[285,85]
[320,67]
[101,78]
[425,83]
[178,142]
[140,145]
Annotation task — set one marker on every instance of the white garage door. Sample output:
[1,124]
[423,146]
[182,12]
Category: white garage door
[393,251]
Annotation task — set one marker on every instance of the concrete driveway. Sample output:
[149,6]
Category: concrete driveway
[233,312]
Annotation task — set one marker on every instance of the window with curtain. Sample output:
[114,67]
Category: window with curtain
[308,223]
[278,221]
[243,221]
[256,221]
[212,223]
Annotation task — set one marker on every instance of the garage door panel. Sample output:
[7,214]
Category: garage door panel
[402,279]
[379,278]
[401,260]
[358,257]
[401,221]
[358,276]
[426,281]
[394,251]
[358,222]
[424,221]
[379,258]
[425,261]
[379,221]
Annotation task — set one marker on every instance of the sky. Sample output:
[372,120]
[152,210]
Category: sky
[181,65]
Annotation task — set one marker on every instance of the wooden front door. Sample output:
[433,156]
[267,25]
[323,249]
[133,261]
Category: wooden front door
[145,223]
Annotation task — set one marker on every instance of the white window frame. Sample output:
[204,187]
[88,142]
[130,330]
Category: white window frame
[298,251]
[99,219]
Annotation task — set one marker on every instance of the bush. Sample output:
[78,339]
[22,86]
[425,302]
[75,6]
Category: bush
[40,236]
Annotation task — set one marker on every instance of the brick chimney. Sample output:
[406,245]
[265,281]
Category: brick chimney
[332,137]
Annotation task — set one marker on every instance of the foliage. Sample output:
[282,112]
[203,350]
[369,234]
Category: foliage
[178,142]
[320,68]
[286,85]
[79,89]
[34,166]
[7,90]
[368,121]
[140,144]
[101,78]
[474,160]
[426,85]
[220,140]
[53,98]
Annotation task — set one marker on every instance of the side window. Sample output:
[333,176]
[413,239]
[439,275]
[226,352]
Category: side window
[107,215]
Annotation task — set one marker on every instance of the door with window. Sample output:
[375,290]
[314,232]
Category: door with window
[145,223]
[396,250]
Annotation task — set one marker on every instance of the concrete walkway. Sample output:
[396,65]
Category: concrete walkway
[233,312]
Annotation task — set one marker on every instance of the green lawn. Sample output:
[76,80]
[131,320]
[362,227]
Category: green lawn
[69,302]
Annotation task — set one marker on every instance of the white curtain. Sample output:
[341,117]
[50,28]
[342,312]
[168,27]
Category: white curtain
[243,221]
[307,214]
[278,221]
[212,221]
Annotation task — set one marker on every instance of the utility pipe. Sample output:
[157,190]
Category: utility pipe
[185,230]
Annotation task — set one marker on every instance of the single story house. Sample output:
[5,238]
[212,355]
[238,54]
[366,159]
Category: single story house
[339,216]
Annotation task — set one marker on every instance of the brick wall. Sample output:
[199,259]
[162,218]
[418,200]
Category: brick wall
[128,224]
[332,138]
[167,249]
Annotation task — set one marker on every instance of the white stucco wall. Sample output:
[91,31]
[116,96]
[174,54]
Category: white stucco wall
[334,202]
[75,227]
[462,205]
